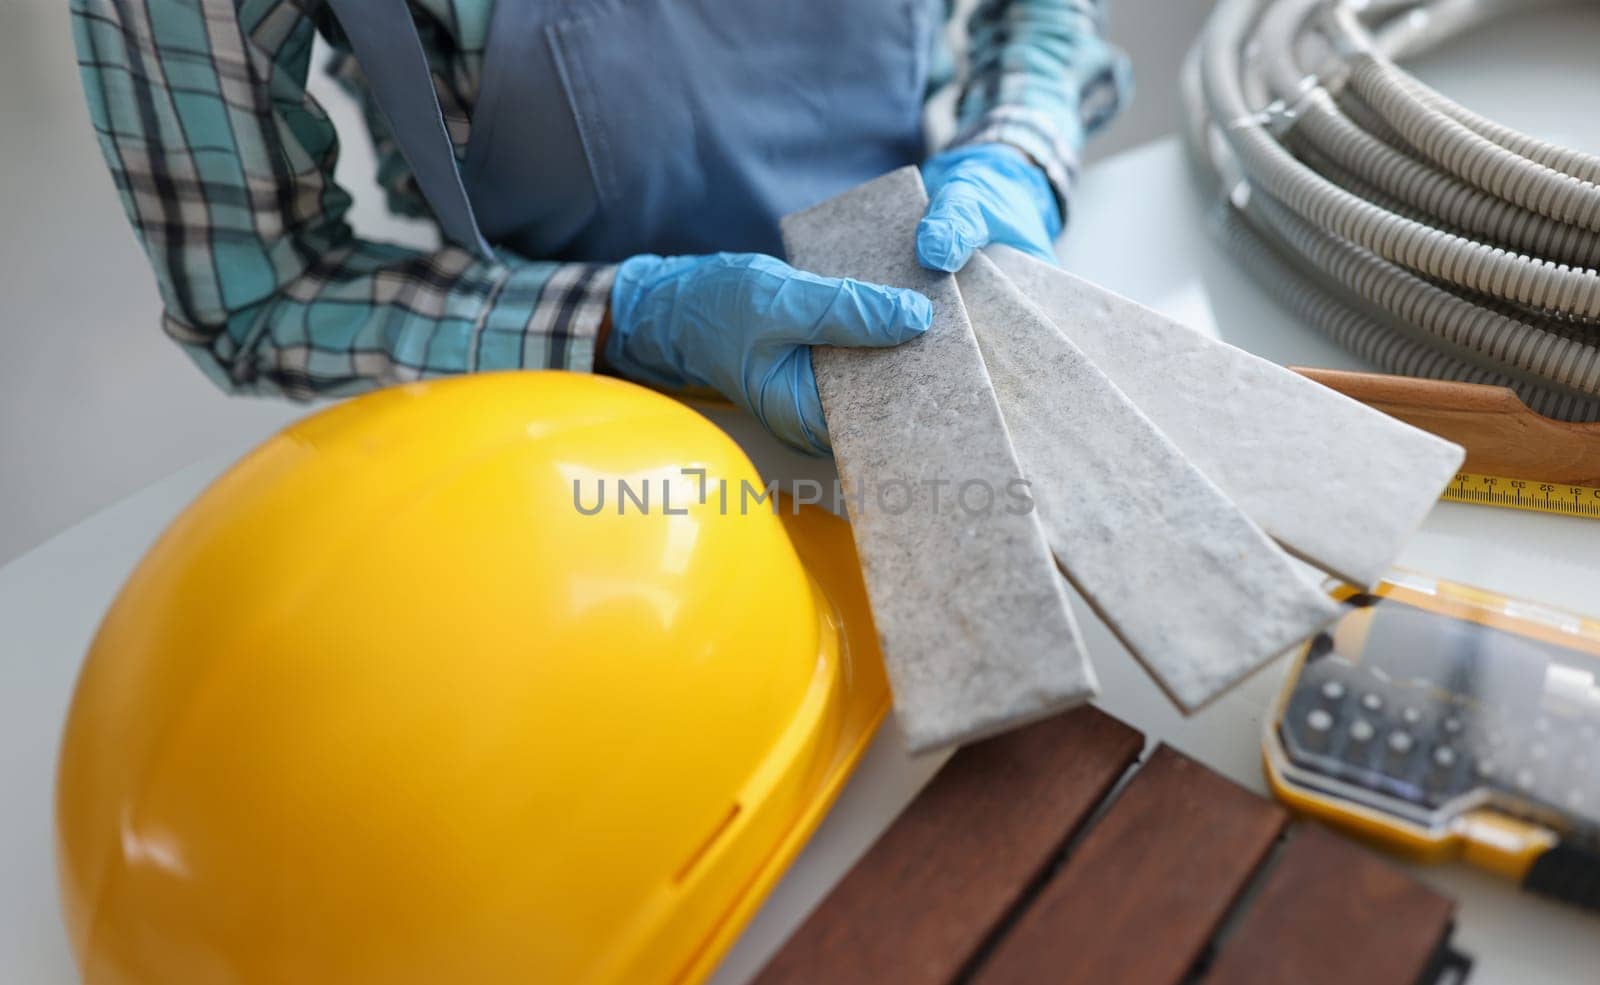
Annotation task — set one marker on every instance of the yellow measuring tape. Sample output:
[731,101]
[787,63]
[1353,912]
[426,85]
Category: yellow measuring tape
[1524,494]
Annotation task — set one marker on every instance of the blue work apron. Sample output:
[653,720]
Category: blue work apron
[606,128]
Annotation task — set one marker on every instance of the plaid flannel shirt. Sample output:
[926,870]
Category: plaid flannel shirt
[225,167]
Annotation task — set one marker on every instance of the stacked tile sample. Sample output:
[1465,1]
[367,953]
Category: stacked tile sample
[1161,465]
[975,626]
[1335,482]
[1191,586]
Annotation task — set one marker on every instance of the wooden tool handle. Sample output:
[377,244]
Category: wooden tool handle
[1501,435]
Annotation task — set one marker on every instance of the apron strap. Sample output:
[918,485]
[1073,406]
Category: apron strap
[385,41]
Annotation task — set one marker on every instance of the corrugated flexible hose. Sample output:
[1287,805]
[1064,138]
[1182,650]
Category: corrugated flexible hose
[1421,236]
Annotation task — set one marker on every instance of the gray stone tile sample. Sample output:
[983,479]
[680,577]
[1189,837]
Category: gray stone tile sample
[1335,482]
[1194,589]
[975,625]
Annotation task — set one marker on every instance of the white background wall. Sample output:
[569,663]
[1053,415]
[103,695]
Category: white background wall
[95,402]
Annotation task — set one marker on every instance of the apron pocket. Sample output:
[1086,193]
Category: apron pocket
[586,113]
[527,169]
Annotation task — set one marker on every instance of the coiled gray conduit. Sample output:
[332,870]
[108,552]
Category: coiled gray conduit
[1458,248]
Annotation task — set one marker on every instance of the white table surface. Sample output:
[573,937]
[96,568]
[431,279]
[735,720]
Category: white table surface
[1136,228]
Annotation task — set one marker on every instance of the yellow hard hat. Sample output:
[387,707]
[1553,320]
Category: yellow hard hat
[388,704]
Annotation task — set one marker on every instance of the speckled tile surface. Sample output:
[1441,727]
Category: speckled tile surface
[1198,593]
[1334,481]
[974,622]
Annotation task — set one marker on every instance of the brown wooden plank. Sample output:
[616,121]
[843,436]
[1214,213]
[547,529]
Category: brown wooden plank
[923,899]
[1140,897]
[1333,913]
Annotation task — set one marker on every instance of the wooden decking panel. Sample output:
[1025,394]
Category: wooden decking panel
[926,896]
[1141,895]
[1333,913]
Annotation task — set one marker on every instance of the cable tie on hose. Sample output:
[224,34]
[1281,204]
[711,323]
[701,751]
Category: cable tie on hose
[1277,118]
[1331,79]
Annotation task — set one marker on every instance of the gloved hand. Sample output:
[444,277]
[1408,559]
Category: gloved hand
[981,194]
[744,324]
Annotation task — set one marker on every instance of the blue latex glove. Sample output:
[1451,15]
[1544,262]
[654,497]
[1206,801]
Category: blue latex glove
[981,194]
[744,324]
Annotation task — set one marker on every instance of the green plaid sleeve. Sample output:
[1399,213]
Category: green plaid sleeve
[1041,78]
[225,167]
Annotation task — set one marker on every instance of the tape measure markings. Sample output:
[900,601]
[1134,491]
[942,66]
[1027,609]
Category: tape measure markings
[1524,494]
